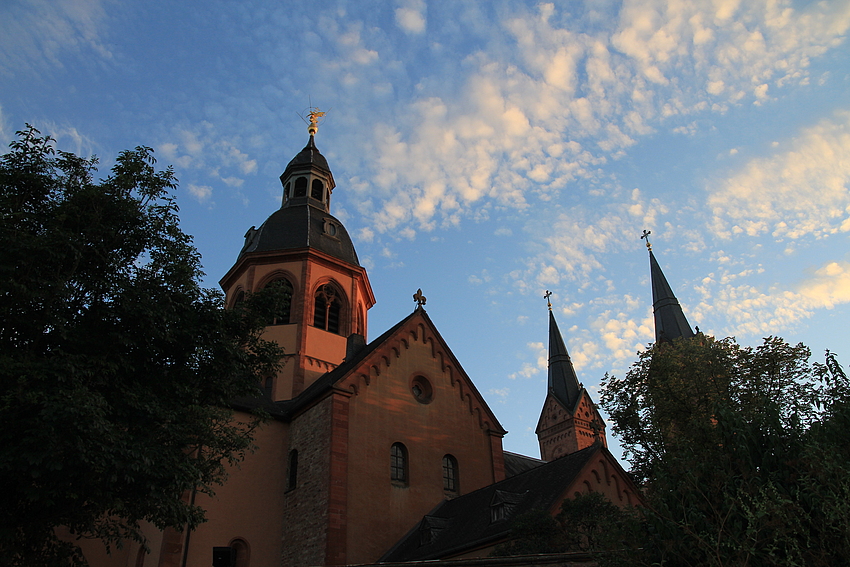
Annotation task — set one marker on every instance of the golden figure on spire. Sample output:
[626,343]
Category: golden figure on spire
[646,234]
[314,115]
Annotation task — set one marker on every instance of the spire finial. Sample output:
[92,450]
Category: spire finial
[546,296]
[419,298]
[645,236]
[314,115]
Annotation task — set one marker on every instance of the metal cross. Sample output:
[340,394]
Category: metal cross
[546,296]
[646,234]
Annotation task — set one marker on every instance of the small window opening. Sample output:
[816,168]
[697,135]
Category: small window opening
[503,503]
[421,389]
[317,191]
[398,464]
[292,472]
[450,476]
[300,187]
[268,386]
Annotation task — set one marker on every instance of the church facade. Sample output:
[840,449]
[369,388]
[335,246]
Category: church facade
[376,450]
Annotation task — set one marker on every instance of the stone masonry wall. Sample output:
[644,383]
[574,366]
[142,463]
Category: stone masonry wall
[306,505]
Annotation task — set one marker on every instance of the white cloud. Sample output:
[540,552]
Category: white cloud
[754,311]
[40,33]
[201,147]
[201,192]
[799,192]
[410,16]
[523,127]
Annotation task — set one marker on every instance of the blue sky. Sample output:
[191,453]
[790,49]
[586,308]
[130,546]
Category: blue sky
[489,151]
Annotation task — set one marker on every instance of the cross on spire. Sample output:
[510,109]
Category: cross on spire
[546,296]
[645,236]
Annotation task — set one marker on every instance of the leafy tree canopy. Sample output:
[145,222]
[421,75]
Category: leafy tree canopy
[743,452]
[116,367]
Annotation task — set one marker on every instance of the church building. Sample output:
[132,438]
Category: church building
[382,449]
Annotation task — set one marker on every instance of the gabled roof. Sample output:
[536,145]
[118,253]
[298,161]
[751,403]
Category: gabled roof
[670,321]
[285,410]
[466,522]
[516,463]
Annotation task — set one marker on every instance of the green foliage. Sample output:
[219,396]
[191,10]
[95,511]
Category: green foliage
[588,523]
[743,452]
[116,367]
[533,532]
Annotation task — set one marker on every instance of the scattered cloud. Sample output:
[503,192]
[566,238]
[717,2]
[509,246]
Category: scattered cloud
[410,16]
[41,33]
[804,191]
[200,192]
[203,150]
[756,312]
[521,129]
[540,363]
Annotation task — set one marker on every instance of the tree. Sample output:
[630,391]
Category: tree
[116,367]
[586,523]
[743,452]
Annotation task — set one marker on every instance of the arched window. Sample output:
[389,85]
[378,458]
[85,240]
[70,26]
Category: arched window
[281,315]
[450,476]
[398,464]
[268,386]
[317,191]
[300,187]
[241,553]
[239,298]
[292,471]
[286,193]
[327,309]
[140,557]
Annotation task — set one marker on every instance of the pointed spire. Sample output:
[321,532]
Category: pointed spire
[563,383]
[670,321]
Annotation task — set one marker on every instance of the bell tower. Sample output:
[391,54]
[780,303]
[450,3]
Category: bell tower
[306,250]
[569,421]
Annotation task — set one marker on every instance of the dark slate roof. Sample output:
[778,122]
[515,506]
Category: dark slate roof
[515,463]
[307,157]
[563,383]
[464,523]
[670,321]
[301,226]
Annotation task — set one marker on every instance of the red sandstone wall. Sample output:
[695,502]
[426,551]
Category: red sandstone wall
[249,505]
[384,412]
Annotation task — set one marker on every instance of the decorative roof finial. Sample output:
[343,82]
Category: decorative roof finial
[314,115]
[646,234]
[419,298]
[546,296]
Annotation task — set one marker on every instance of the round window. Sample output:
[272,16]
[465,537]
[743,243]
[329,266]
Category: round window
[421,389]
